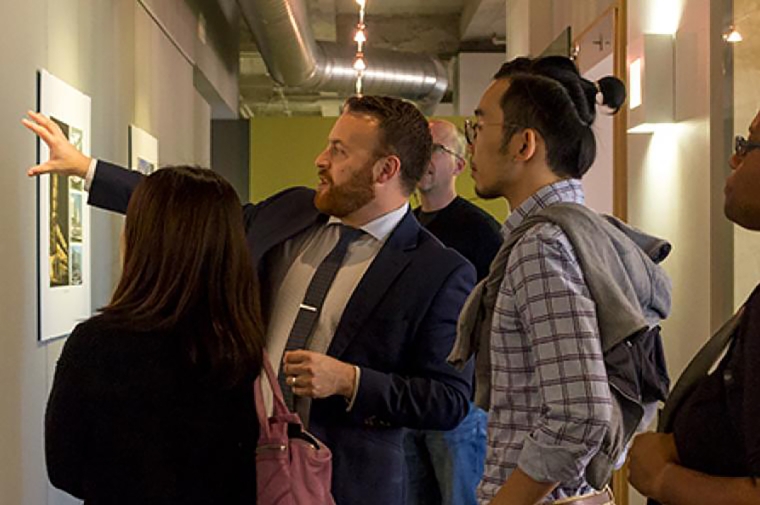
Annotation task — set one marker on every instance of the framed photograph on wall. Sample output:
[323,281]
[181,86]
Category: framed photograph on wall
[143,151]
[63,217]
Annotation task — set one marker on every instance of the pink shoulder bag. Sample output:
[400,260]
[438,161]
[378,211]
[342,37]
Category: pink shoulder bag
[292,466]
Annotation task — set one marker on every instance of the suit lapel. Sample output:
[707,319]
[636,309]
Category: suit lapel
[262,240]
[386,267]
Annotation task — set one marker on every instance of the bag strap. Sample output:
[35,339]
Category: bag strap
[697,368]
[279,407]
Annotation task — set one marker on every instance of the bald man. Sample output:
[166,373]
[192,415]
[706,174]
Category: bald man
[455,221]
[444,467]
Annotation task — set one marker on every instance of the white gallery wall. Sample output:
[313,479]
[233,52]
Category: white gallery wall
[533,24]
[475,73]
[131,64]
[597,183]
[676,175]
[669,180]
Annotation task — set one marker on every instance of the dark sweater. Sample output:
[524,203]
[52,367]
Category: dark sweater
[129,421]
[467,229]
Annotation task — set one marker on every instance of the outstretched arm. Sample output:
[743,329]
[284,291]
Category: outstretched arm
[112,185]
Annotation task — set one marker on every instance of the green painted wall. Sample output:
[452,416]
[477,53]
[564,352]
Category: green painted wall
[283,152]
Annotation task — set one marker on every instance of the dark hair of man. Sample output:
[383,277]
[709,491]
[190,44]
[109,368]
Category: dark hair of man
[187,271]
[550,96]
[404,132]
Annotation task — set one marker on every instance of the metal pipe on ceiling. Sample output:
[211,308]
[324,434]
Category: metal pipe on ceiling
[295,59]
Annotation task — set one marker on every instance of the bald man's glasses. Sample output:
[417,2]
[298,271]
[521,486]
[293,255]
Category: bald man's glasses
[743,146]
[442,148]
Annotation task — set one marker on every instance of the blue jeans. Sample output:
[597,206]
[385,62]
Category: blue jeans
[445,467]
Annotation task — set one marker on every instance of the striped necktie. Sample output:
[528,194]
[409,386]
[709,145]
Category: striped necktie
[310,308]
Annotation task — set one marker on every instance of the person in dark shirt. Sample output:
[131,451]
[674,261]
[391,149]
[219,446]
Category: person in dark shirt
[152,400]
[456,222]
[713,453]
[444,467]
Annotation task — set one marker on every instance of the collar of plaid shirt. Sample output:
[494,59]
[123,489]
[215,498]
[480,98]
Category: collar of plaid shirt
[566,190]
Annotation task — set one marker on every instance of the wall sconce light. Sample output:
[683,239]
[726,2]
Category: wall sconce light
[651,81]
[732,35]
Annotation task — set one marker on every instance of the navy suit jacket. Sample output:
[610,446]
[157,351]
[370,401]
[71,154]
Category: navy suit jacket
[398,327]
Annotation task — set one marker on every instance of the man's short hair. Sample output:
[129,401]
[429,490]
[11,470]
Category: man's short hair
[404,133]
[550,96]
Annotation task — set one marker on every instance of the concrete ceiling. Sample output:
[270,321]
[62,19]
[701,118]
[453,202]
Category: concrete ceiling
[404,7]
[480,18]
[437,27]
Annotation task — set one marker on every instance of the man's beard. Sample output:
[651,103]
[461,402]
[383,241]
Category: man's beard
[344,199]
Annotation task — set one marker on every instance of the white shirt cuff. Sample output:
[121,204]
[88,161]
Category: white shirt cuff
[90,174]
[356,389]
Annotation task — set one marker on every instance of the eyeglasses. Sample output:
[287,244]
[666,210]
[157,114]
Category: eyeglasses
[471,129]
[441,147]
[743,146]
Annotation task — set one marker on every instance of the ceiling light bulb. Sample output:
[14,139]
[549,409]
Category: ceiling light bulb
[733,36]
[359,65]
[360,36]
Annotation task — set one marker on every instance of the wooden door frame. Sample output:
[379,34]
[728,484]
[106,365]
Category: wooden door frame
[619,11]
[620,175]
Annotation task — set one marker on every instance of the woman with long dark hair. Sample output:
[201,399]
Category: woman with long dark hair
[152,399]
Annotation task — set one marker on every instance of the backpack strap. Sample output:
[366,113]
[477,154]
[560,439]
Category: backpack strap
[474,325]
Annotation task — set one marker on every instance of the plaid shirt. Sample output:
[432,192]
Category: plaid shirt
[550,402]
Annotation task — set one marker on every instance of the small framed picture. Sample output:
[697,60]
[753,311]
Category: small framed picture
[143,151]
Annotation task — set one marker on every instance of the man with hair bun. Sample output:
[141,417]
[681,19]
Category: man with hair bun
[534,322]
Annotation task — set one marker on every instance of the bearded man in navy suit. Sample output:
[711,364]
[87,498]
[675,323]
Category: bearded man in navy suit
[375,362]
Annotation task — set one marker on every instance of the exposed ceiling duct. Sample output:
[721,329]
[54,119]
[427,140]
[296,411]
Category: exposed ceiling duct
[294,58]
